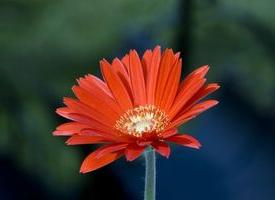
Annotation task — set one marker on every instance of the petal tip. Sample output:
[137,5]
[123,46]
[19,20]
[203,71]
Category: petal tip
[158,47]
[128,159]
[68,142]
[55,133]
[217,86]
[82,171]
[215,102]
[197,146]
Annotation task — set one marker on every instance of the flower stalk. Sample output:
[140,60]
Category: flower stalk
[150,175]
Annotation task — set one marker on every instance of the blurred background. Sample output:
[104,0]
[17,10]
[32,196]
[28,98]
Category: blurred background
[46,44]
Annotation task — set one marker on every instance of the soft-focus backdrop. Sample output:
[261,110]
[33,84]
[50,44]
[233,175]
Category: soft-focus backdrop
[46,44]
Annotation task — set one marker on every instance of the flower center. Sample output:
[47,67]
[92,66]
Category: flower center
[142,119]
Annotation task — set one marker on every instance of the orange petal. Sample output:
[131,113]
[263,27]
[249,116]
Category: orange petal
[99,105]
[168,133]
[171,87]
[126,62]
[96,114]
[193,112]
[196,74]
[185,140]
[101,85]
[143,142]
[203,92]
[109,148]
[83,119]
[133,151]
[208,89]
[162,148]
[116,86]
[122,73]
[167,62]
[93,81]
[137,79]
[146,61]
[81,139]
[69,128]
[186,93]
[99,91]
[119,68]
[92,163]
[111,135]
[152,75]
[72,115]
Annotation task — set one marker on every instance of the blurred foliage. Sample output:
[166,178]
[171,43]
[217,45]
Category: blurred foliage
[237,39]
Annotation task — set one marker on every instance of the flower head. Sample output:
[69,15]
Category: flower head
[140,103]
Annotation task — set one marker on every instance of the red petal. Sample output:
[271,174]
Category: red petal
[162,148]
[78,107]
[196,74]
[137,79]
[185,140]
[126,62]
[111,136]
[63,111]
[99,90]
[133,151]
[168,133]
[109,148]
[119,68]
[101,84]
[171,86]
[193,112]
[189,87]
[116,86]
[203,92]
[186,93]
[69,128]
[146,61]
[122,73]
[92,163]
[72,115]
[95,85]
[206,90]
[99,105]
[144,143]
[81,139]
[167,62]
[152,75]
[93,124]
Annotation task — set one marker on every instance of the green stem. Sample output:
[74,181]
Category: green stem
[150,175]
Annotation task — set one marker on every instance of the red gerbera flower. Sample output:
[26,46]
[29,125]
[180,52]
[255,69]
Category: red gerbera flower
[140,103]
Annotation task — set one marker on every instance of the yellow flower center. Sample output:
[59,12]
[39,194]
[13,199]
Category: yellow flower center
[142,119]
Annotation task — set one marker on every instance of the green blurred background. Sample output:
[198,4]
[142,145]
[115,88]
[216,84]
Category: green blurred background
[46,45]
